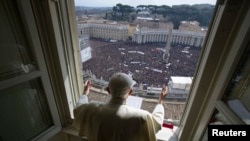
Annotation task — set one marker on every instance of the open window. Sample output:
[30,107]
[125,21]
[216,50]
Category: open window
[27,105]
[150,43]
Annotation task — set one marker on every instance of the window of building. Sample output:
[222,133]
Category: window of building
[203,91]
[26,97]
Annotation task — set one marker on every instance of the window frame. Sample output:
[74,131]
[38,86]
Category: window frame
[27,20]
[58,34]
[53,34]
[204,93]
[224,43]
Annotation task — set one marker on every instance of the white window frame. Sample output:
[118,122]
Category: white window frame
[58,33]
[53,35]
[212,76]
[224,46]
[25,9]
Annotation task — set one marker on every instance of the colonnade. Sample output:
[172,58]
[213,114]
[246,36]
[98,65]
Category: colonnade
[180,37]
[141,36]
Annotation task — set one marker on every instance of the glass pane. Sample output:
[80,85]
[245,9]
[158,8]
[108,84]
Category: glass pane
[24,111]
[237,96]
[16,57]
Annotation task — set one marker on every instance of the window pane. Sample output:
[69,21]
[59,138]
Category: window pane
[238,92]
[24,112]
[16,58]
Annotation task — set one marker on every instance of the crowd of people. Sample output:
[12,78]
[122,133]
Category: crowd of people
[143,61]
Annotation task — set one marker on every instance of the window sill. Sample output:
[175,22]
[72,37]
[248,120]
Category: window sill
[165,134]
[73,132]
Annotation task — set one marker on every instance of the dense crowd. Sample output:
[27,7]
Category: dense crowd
[143,61]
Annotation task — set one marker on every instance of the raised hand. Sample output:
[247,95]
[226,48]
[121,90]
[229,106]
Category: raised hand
[87,87]
[164,92]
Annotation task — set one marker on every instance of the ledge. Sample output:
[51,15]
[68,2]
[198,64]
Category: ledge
[165,134]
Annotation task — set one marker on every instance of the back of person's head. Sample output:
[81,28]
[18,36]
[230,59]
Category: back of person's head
[120,84]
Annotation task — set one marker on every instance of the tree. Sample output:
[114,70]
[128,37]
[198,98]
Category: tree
[121,12]
[200,12]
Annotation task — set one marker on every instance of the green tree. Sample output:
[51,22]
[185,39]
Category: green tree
[122,12]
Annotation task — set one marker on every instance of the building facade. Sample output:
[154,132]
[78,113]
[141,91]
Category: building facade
[142,35]
[191,38]
[105,31]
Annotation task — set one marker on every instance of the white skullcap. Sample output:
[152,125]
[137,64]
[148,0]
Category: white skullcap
[120,83]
